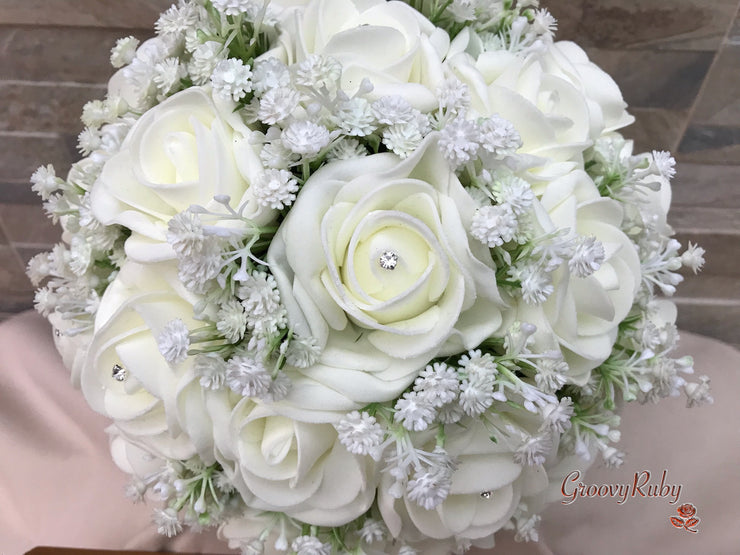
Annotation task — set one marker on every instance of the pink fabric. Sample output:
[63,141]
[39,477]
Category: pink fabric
[58,484]
[59,487]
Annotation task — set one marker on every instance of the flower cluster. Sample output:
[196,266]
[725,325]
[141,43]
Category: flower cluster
[357,276]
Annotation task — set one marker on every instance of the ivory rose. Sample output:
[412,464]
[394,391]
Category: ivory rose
[158,405]
[299,468]
[558,100]
[390,43]
[487,486]
[72,348]
[183,151]
[378,325]
[582,316]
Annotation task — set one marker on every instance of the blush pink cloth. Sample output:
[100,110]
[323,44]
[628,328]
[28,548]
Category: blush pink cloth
[58,485]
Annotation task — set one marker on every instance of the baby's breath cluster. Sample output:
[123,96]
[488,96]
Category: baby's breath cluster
[293,411]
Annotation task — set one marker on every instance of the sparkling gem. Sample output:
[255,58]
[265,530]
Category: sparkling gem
[57,332]
[119,373]
[486,494]
[388,260]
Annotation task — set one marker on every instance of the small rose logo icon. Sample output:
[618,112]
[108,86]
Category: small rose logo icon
[687,510]
[687,520]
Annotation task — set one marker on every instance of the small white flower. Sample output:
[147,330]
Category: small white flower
[359,432]
[459,141]
[462,10]
[174,341]
[403,138]
[274,155]
[268,74]
[429,488]
[309,545]
[318,72]
[185,233]
[551,373]
[124,51]
[533,450]
[477,364]
[231,79]
[233,7]
[664,163]
[231,321]
[276,105]
[301,352]
[453,95]
[88,141]
[414,411]
[167,75]
[557,415]
[499,137]
[438,383]
[212,371]
[196,270]
[355,117]
[45,182]
[665,379]
[247,377]
[476,396]
[177,20]
[45,301]
[392,110]
[698,393]
[588,255]
[543,23]
[346,149]
[450,413]
[94,113]
[613,458]
[693,257]
[535,282]
[80,255]
[275,188]
[494,225]
[135,490]
[526,528]
[38,268]
[305,138]
[167,522]
[259,294]
[373,531]
[205,58]
[515,193]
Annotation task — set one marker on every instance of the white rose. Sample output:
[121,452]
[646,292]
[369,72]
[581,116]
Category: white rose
[184,151]
[379,325]
[390,43]
[299,468]
[582,316]
[487,486]
[158,405]
[72,348]
[557,99]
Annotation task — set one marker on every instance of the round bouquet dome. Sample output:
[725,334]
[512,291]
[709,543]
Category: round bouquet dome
[361,276]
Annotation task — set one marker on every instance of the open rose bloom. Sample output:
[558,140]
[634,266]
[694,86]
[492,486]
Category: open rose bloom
[357,276]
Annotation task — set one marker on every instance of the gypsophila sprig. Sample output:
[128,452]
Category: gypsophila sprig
[382,283]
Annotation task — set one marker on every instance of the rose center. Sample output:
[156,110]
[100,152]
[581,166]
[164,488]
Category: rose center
[395,248]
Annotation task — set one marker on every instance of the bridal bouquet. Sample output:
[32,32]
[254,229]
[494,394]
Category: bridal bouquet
[361,276]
